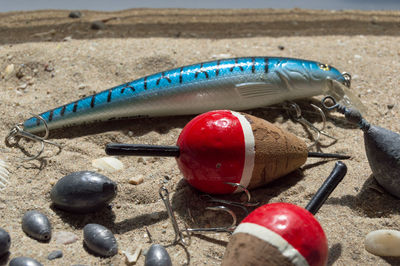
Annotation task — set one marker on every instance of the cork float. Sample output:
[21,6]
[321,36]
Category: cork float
[284,234]
[220,148]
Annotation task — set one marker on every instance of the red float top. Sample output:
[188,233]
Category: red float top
[212,152]
[297,226]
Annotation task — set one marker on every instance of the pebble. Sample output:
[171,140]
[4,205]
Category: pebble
[24,261]
[281,47]
[109,164]
[8,71]
[136,180]
[132,258]
[67,39]
[64,237]
[100,240]
[55,255]
[390,106]
[83,192]
[157,255]
[36,225]
[383,243]
[97,25]
[75,14]
[5,242]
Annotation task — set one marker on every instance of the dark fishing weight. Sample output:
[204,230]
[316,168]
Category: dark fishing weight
[382,147]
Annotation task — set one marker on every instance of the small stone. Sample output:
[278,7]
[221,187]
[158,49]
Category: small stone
[390,106]
[67,39]
[132,258]
[64,237]
[75,14]
[109,164]
[48,68]
[356,56]
[136,180]
[81,86]
[55,255]
[383,243]
[22,86]
[8,71]
[97,25]
[281,47]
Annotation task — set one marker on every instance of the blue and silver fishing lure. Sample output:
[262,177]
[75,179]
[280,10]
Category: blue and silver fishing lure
[236,84]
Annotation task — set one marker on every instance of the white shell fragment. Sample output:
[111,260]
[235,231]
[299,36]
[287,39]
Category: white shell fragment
[109,164]
[383,243]
[132,258]
[4,173]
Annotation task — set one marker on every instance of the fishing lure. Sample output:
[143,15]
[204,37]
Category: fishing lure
[237,84]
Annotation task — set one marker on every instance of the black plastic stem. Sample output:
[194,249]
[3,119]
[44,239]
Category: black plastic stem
[142,150]
[335,177]
[328,155]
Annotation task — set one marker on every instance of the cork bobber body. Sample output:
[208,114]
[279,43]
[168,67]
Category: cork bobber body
[278,234]
[225,146]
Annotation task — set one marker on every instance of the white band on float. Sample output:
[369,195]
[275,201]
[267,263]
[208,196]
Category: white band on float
[272,238]
[249,151]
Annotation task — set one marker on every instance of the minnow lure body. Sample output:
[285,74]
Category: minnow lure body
[237,84]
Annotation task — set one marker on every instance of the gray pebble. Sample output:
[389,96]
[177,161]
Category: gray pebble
[55,255]
[100,240]
[83,192]
[75,14]
[157,255]
[36,225]
[5,242]
[97,25]
[24,261]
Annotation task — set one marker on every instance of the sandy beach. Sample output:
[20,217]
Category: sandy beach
[57,59]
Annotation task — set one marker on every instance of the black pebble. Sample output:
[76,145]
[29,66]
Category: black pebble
[75,14]
[83,192]
[97,25]
[157,255]
[55,255]
[100,240]
[24,261]
[36,225]
[5,242]
[281,47]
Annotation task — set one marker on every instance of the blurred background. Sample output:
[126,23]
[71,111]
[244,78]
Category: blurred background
[108,5]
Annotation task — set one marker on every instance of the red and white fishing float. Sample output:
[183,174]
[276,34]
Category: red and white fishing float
[283,233]
[220,147]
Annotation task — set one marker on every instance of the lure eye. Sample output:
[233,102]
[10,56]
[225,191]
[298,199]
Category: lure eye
[324,67]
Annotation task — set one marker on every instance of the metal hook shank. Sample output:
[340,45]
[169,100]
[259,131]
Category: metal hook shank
[228,229]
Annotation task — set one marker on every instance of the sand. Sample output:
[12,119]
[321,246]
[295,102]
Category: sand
[59,59]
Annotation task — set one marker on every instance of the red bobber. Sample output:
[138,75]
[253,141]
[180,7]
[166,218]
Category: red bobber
[278,234]
[283,233]
[224,146]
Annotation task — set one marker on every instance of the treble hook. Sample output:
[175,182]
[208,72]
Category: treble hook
[179,237]
[234,203]
[18,131]
[299,118]
[164,194]
[228,229]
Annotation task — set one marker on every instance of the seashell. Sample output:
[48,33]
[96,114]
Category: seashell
[24,261]
[109,164]
[132,258]
[5,242]
[4,173]
[36,225]
[83,192]
[157,256]
[100,240]
[383,243]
